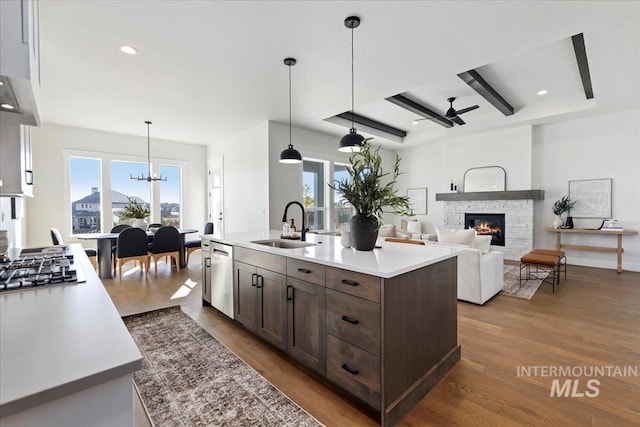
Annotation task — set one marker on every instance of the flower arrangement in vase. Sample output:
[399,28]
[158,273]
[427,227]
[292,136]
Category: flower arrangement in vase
[136,211]
[559,207]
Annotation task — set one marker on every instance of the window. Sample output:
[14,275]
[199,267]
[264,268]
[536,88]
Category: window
[122,187]
[313,193]
[99,184]
[86,203]
[170,211]
[342,210]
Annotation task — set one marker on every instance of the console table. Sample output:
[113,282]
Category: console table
[618,249]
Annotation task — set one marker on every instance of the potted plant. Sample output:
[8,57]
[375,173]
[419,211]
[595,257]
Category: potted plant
[137,212]
[559,207]
[364,190]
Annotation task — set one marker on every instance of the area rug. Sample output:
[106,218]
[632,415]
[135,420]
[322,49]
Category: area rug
[188,378]
[512,286]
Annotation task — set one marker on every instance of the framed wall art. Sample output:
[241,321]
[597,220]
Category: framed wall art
[592,197]
[418,199]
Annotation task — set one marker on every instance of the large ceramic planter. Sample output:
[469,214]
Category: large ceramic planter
[364,232]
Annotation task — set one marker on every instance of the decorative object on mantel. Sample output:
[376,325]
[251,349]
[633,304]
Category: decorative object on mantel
[290,155]
[363,188]
[592,196]
[351,142]
[148,178]
[136,211]
[190,378]
[559,207]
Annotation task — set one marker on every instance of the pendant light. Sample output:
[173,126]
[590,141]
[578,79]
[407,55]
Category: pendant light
[290,155]
[352,141]
[148,178]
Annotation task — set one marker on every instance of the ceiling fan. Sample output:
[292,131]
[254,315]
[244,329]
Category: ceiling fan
[452,114]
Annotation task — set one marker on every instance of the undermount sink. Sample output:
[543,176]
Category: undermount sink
[283,244]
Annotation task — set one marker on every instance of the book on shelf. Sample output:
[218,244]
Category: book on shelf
[612,229]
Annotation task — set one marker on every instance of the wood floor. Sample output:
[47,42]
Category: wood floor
[593,319]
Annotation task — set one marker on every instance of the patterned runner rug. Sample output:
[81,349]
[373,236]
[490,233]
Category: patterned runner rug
[188,378]
[512,283]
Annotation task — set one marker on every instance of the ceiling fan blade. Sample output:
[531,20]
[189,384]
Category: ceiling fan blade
[458,120]
[464,110]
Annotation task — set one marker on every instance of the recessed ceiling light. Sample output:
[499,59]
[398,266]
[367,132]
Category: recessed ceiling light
[7,106]
[416,122]
[542,92]
[1,82]
[128,49]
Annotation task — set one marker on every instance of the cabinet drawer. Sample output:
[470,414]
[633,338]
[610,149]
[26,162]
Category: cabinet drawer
[307,271]
[354,369]
[352,283]
[260,259]
[354,320]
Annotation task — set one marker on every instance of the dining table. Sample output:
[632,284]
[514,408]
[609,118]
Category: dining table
[105,242]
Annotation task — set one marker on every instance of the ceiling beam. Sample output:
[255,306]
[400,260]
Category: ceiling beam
[419,109]
[480,85]
[583,65]
[374,124]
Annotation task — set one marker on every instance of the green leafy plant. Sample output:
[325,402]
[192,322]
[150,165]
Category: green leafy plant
[134,210]
[364,190]
[563,205]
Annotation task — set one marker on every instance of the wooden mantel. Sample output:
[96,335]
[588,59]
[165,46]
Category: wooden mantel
[492,195]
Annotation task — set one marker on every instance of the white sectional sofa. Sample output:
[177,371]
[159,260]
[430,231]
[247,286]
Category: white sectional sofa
[480,270]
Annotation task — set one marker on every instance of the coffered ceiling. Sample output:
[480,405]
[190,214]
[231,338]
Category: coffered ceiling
[206,70]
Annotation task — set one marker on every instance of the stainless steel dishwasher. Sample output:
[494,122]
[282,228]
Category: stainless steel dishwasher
[217,280]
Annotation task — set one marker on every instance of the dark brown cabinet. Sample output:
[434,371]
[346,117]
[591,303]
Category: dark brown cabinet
[306,323]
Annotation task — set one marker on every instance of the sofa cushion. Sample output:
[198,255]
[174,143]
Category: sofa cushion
[459,237]
[482,243]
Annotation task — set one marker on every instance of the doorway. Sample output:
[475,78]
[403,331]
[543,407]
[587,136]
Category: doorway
[216,196]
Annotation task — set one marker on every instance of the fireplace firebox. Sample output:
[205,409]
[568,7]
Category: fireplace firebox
[487,224]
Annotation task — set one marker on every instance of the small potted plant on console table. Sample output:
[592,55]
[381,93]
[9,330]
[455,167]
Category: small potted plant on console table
[559,207]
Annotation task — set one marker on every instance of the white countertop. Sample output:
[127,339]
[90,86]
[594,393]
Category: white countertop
[58,340]
[392,259]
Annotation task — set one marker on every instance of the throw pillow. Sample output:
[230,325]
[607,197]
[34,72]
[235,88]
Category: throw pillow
[459,237]
[482,243]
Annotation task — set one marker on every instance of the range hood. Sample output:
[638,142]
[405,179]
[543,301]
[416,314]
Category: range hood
[17,97]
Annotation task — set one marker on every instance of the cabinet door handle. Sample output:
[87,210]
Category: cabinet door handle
[207,262]
[349,282]
[349,369]
[350,320]
[289,298]
[28,177]
[304,270]
[254,279]
[260,282]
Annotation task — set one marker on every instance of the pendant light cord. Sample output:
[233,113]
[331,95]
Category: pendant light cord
[352,80]
[290,143]
[148,148]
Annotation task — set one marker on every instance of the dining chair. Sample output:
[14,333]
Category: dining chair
[131,245]
[194,245]
[56,239]
[166,243]
[116,229]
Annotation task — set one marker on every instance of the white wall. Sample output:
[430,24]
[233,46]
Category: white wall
[435,164]
[47,208]
[285,180]
[246,179]
[597,147]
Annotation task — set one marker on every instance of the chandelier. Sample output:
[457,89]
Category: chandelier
[148,178]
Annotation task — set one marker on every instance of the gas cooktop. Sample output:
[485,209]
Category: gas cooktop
[39,267]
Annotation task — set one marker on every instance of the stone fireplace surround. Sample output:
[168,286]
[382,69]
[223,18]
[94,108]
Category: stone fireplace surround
[517,206]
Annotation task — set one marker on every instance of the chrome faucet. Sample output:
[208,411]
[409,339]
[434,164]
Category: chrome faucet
[303,234]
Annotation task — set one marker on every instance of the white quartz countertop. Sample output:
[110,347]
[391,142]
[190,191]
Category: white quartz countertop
[61,339]
[391,259]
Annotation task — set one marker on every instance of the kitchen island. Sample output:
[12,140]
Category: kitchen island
[381,324]
[66,357]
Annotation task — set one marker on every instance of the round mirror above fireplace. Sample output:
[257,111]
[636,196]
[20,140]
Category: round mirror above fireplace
[485,178]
